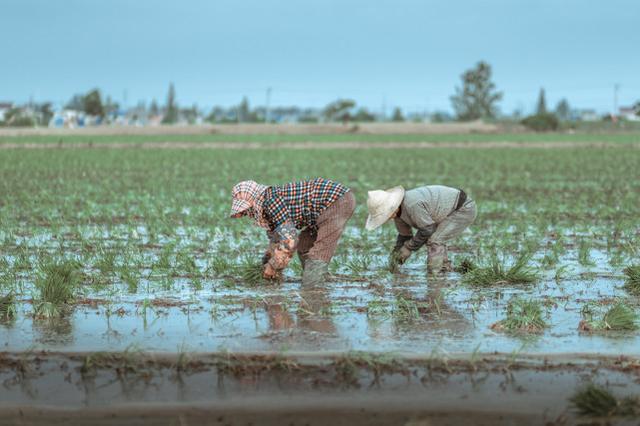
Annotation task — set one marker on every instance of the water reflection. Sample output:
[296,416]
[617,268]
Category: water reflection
[54,331]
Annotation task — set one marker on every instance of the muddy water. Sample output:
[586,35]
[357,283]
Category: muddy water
[407,312]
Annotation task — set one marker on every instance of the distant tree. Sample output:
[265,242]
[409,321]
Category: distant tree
[637,108]
[397,115]
[92,103]
[440,117]
[563,112]
[76,103]
[153,108]
[190,114]
[339,110]
[363,115]
[45,113]
[478,96]
[544,122]
[171,109]
[541,108]
[243,110]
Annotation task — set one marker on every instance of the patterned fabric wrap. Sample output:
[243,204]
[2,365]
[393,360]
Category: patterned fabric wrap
[249,195]
[299,202]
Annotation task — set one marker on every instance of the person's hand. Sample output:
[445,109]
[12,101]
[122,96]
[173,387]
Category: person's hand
[269,273]
[403,254]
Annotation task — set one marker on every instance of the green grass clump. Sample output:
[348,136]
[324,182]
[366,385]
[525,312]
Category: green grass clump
[632,283]
[497,273]
[56,286]
[596,401]
[523,316]
[219,266]
[620,317]
[7,307]
[465,266]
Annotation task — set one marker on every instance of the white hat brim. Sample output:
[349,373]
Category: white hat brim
[396,195]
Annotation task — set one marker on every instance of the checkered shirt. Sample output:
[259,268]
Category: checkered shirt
[300,202]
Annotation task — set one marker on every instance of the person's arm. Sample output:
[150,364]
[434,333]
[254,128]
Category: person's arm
[426,227]
[404,233]
[283,236]
[421,237]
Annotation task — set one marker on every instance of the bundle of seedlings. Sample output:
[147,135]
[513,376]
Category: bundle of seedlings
[497,272]
[393,263]
[7,307]
[250,272]
[523,316]
[56,286]
[620,317]
[632,283]
[596,401]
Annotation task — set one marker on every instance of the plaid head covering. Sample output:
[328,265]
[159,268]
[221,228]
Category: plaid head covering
[249,194]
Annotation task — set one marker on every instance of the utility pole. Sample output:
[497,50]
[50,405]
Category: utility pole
[267,112]
[616,87]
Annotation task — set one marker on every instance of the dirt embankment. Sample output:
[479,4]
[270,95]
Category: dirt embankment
[342,389]
[313,145]
[265,129]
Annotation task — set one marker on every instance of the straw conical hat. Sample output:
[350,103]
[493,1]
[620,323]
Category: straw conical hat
[382,204]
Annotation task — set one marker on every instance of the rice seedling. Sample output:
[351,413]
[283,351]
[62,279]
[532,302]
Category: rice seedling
[596,401]
[393,263]
[186,263]
[405,310]
[358,264]
[377,309]
[522,316]
[7,307]
[498,273]
[130,277]
[620,317]
[584,253]
[632,283]
[219,266]
[549,260]
[106,262]
[56,286]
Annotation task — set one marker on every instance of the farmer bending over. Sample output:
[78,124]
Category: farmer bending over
[439,213]
[319,208]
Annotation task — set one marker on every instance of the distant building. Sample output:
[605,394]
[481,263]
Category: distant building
[4,107]
[586,115]
[68,118]
[629,113]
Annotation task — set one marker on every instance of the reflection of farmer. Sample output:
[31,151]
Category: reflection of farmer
[439,213]
[319,208]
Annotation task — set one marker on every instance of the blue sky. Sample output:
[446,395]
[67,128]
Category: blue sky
[405,53]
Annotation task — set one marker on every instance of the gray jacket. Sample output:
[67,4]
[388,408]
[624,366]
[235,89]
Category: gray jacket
[423,208]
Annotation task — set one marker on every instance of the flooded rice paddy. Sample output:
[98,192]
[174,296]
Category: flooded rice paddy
[154,267]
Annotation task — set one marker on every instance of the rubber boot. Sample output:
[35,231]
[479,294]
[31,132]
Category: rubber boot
[447,266]
[315,273]
[303,259]
[436,258]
